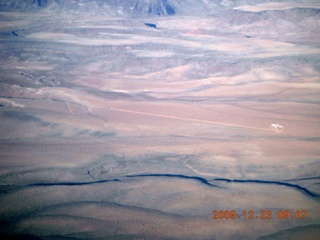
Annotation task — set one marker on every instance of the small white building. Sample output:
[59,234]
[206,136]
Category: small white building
[276,126]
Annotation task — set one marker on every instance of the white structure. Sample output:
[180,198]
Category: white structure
[276,126]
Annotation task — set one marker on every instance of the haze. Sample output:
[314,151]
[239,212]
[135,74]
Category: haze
[137,119]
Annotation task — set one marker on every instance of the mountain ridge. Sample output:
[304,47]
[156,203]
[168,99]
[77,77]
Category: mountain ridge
[134,8]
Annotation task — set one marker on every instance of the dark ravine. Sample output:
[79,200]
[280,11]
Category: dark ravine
[205,181]
[49,184]
[296,186]
[199,179]
[16,187]
[181,176]
[72,183]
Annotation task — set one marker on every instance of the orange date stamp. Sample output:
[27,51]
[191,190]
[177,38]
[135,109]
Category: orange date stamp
[260,214]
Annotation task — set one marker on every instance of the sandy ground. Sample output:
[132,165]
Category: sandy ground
[114,130]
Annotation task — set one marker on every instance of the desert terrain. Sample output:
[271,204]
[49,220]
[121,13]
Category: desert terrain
[121,123]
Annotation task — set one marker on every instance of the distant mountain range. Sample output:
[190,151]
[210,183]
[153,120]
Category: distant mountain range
[130,8]
[144,8]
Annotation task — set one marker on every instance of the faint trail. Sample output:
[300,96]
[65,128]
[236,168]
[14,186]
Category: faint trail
[190,119]
[70,110]
[201,173]
[65,118]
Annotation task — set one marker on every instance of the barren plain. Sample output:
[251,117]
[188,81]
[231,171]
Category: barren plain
[112,129]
